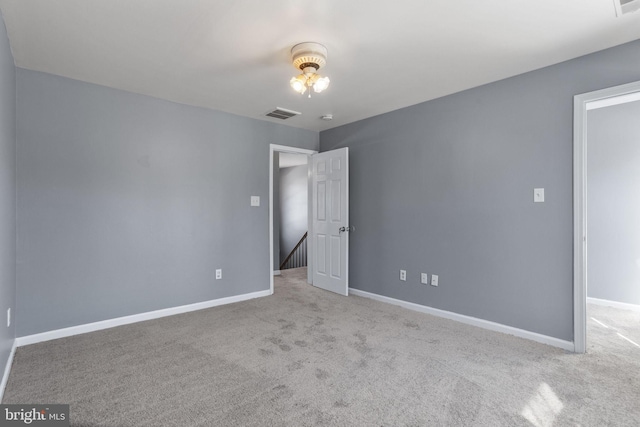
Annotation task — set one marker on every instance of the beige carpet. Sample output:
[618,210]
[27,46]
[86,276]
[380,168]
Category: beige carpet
[309,357]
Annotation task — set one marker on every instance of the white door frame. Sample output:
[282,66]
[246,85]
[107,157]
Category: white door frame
[285,149]
[581,104]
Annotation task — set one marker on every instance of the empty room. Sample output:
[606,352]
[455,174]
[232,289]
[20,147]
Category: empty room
[340,213]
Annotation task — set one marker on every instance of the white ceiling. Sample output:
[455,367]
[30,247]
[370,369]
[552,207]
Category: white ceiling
[234,55]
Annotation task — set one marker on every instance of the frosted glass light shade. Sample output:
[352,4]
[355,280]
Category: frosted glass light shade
[298,83]
[321,84]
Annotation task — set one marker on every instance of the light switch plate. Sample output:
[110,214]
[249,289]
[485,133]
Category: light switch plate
[255,200]
[538,195]
[434,280]
[424,278]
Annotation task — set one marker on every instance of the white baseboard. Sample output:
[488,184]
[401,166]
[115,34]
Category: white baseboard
[473,321]
[119,321]
[276,272]
[615,304]
[7,370]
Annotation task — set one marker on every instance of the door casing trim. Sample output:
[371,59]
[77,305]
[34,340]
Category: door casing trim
[273,148]
[581,104]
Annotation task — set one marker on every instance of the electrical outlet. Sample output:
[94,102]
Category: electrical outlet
[424,278]
[434,280]
[8,317]
[219,274]
[403,275]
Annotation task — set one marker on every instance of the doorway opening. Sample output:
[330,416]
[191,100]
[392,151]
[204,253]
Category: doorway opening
[582,163]
[291,158]
[290,211]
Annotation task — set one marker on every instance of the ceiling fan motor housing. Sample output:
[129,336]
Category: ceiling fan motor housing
[309,54]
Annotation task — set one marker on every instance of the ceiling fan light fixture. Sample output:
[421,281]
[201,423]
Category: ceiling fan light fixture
[309,57]
[321,84]
[298,83]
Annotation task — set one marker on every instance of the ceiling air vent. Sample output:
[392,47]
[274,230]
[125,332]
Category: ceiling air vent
[283,113]
[626,6]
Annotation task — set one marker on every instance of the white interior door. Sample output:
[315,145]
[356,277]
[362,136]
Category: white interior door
[330,220]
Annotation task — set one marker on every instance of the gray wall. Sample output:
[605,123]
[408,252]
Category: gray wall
[128,203]
[446,187]
[293,207]
[7,195]
[613,203]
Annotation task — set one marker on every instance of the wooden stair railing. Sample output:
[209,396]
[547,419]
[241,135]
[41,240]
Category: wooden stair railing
[298,256]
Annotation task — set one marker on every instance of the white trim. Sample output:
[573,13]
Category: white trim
[282,149]
[7,369]
[579,225]
[473,321]
[277,272]
[119,321]
[581,103]
[616,100]
[614,304]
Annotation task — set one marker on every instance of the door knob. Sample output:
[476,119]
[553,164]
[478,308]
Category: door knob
[349,228]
